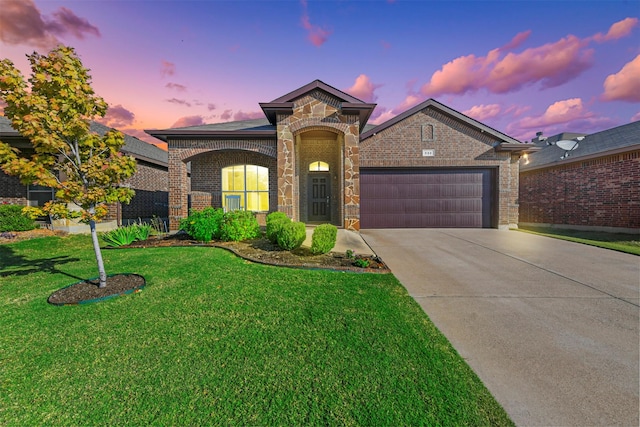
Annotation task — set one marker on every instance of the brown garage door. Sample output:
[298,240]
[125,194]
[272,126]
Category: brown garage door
[425,198]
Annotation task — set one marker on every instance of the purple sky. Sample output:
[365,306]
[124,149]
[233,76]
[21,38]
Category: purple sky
[517,66]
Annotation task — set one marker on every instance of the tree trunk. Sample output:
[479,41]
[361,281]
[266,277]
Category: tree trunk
[98,252]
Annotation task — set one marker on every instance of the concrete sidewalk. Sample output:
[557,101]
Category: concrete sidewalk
[345,240]
[551,327]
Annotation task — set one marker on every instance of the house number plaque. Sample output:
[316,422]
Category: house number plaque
[428,153]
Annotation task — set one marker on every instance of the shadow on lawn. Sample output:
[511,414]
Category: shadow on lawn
[12,264]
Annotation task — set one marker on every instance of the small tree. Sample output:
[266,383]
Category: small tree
[53,109]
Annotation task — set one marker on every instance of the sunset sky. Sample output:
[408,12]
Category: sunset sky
[517,66]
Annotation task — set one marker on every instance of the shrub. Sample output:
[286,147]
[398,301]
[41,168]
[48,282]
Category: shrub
[203,225]
[292,235]
[143,231]
[362,263]
[120,236]
[126,235]
[323,239]
[239,225]
[275,221]
[12,219]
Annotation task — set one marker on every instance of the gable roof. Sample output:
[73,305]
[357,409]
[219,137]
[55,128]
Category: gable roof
[349,104]
[611,141]
[133,146]
[500,137]
[318,84]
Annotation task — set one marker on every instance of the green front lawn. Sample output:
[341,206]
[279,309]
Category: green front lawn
[215,340]
[629,243]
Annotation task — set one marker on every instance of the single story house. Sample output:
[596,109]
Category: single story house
[150,181]
[315,158]
[595,186]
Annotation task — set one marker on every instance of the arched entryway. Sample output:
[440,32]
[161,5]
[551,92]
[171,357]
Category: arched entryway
[319,163]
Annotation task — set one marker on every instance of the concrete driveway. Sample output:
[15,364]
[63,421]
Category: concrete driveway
[551,327]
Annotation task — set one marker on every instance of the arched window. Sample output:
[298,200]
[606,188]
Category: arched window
[245,187]
[318,167]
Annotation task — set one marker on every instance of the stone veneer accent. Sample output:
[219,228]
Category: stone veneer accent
[456,145]
[318,110]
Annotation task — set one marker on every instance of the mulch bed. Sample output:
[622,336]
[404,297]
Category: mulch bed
[264,252]
[89,290]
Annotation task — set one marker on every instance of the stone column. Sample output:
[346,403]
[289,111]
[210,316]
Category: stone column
[286,172]
[352,179]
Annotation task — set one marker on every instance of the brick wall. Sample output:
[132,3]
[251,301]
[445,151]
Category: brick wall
[455,144]
[151,184]
[206,176]
[182,151]
[12,191]
[601,192]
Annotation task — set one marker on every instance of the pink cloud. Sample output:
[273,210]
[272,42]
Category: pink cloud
[176,86]
[179,102]
[316,35]
[187,121]
[411,100]
[226,115]
[241,115]
[117,117]
[21,22]
[559,112]
[517,111]
[635,117]
[516,41]
[167,68]
[142,135]
[625,84]
[211,107]
[483,112]
[618,30]
[364,89]
[68,22]
[382,117]
[551,64]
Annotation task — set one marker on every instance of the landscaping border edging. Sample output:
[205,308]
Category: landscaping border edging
[106,297]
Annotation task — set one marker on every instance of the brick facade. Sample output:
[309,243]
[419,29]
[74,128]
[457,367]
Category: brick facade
[601,192]
[12,191]
[150,183]
[456,145]
[208,157]
[206,175]
[319,123]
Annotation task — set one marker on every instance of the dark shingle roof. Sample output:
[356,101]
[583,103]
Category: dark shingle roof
[136,147]
[601,143]
[255,124]
[133,146]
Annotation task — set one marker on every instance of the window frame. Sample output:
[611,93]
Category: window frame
[247,197]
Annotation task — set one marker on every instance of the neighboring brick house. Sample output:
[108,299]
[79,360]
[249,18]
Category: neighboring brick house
[315,158]
[596,187]
[150,181]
